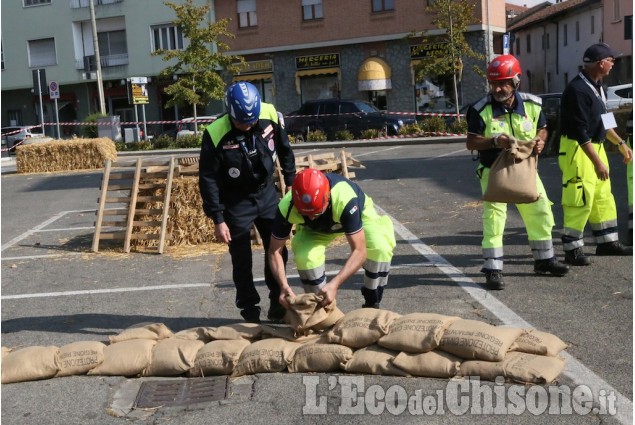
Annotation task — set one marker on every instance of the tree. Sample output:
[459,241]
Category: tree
[198,65]
[453,18]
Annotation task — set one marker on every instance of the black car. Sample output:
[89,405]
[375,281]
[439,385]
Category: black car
[333,115]
[551,109]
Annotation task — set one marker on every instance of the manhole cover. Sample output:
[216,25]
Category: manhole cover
[181,392]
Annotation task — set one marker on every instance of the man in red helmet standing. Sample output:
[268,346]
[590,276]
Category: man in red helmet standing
[323,207]
[495,120]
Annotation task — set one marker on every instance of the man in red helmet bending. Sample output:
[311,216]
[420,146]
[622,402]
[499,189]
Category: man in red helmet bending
[493,122]
[323,207]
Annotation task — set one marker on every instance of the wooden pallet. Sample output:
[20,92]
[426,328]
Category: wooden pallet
[123,184]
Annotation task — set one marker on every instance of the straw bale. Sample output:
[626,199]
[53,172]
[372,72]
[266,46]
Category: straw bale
[64,155]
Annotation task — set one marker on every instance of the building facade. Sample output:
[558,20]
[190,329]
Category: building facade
[550,40]
[295,50]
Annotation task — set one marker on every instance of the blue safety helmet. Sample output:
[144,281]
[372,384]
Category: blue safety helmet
[242,101]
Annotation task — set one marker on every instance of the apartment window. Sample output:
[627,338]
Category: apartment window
[36,2]
[628,27]
[167,37]
[577,31]
[247,13]
[565,38]
[312,9]
[592,24]
[42,52]
[528,43]
[112,43]
[383,5]
[617,13]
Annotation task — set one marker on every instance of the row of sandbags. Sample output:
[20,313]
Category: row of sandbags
[367,341]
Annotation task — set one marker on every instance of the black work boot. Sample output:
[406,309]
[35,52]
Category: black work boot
[613,248]
[576,257]
[552,266]
[371,297]
[494,280]
[276,312]
[251,314]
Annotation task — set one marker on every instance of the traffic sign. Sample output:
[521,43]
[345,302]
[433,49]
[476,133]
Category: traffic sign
[54,90]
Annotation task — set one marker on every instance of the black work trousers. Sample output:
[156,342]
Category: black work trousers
[241,211]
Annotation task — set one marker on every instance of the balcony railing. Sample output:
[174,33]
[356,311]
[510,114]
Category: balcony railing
[77,4]
[88,62]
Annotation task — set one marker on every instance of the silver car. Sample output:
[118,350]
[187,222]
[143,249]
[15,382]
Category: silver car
[12,136]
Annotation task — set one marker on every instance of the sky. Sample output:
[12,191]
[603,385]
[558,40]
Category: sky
[528,3]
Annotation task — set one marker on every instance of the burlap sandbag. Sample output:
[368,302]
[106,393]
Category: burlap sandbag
[267,355]
[126,358]
[5,351]
[361,328]
[78,358]
[532,369]
[472,339]
[249,331]
[218,357]
[512,176]
[374,360]
[289,334]
[416,332]
[320,358]
[520,367]
[433,364]
[155,331]
[486,371]
[200,333]
[173,356]
[537,342]
[30,364]
[305,313]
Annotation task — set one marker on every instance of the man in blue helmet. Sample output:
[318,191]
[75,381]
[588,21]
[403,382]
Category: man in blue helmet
[236,180]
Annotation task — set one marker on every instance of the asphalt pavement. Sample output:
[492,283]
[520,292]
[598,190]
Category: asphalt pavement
[56,291]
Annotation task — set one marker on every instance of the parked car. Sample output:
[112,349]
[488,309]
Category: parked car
[12,136]
[618,96]
[186,126]
[333,115]
[551,109]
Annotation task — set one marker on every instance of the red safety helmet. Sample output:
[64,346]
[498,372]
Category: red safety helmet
[504,67]
[311,192]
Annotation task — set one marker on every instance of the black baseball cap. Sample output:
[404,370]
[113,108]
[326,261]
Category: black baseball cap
[597,52]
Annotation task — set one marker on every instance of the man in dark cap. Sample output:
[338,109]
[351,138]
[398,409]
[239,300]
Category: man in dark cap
[586,188]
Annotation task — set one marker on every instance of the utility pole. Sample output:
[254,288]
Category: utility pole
[100,85]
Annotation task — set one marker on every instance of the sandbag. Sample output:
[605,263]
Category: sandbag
[289,334]
[305,313]
[374,360]
[5,351]
[432,364]
[126,358]
[200,333]
[512,177]
[532,369]
[416,332]
[155,331]
[320,358]
[248,331]
[173,356]
[486,371]
[30,364]
[267,355]
[537,342]
[362,327]
[472,339]
[78,358]
[218,357]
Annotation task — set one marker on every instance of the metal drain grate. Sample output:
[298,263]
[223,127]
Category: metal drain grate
[181,392]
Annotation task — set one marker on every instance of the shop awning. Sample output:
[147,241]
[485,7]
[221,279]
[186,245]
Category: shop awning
[374,74]
[253,77]
[311,72]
